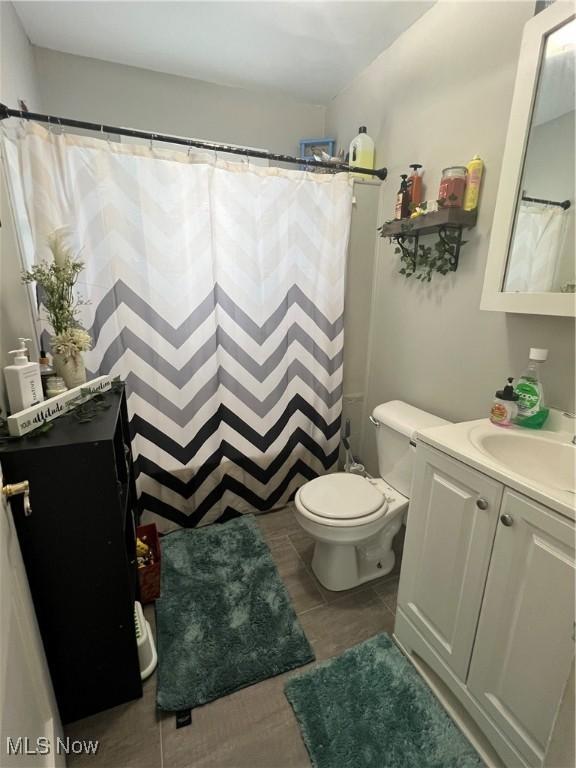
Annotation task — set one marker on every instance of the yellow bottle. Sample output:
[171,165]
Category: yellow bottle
[475,168]
[362,152]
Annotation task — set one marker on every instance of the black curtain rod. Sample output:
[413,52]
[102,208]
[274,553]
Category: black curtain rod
[564,204]
[6,112]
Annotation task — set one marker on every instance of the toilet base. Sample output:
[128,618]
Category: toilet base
[344,566]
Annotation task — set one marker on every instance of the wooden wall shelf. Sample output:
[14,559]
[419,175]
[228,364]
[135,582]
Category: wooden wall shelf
[448,223]
[430,222]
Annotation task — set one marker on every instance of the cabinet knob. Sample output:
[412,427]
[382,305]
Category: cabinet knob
[506,520]
[482,504]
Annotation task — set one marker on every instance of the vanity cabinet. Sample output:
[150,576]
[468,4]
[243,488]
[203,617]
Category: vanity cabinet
[486,600]
[453,516]
[525,646]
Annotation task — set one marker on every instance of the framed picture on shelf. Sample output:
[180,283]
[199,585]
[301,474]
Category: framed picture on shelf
[311,147]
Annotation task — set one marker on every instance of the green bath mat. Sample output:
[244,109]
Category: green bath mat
[369,708]
[224,619]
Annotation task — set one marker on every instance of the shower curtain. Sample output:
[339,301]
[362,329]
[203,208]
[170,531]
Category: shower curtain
[537,247]
[216,292]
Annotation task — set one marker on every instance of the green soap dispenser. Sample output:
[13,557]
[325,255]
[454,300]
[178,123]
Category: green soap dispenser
[532,412]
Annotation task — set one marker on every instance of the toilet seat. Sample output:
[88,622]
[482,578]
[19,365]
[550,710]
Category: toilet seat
[341,499]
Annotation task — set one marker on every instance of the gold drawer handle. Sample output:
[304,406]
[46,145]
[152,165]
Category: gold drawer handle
[16,488]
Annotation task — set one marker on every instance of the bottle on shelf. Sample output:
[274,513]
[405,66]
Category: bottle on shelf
[361,151]
[415,184]
[475,169]
[23,383]
[46,370]
[402,208]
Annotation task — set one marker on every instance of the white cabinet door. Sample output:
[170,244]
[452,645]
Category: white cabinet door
[450,531]
[524,646]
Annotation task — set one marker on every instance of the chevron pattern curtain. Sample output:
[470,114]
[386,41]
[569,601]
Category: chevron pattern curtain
[216,292]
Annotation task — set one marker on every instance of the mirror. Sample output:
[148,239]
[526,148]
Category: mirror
[531,259]
[541,253]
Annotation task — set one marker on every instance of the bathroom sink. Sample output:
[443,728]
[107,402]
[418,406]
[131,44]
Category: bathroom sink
[547,461]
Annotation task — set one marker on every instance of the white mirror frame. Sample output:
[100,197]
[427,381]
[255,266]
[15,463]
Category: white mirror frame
[532,50]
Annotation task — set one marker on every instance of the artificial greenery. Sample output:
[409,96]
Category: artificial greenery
[94,404]
[438,258]
[428,259]
[88,410]
[57,280]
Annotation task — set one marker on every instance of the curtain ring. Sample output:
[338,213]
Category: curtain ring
[49,124]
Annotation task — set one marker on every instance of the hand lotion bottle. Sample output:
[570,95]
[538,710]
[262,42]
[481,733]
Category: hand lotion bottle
[23,383]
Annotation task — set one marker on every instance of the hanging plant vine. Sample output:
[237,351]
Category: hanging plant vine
[422,261]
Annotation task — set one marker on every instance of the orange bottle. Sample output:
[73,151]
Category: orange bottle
[415,183]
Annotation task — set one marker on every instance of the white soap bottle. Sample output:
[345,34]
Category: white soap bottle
[23,381]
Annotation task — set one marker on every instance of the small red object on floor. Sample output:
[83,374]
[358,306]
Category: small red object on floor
[149,573]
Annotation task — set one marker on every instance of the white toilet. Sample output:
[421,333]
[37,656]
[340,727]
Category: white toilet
[353,519]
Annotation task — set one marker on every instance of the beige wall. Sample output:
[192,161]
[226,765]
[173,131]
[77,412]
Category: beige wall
[438,95]
[100,91]
[17,81]
[359,279]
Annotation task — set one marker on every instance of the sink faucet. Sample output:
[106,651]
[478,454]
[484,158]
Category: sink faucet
[570,415]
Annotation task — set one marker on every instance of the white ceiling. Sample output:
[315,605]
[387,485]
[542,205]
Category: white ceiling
[308,50]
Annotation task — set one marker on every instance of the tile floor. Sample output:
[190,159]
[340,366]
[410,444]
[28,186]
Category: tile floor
[254,727]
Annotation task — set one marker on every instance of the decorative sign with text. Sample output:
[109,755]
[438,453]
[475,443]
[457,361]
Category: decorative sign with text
[26,421]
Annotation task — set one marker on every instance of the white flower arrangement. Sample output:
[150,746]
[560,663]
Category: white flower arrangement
[71,343]
[57,279]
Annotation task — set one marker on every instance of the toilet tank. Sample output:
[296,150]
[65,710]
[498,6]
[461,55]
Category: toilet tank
[397,425]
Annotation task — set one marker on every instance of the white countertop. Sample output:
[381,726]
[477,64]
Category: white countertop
[458,441]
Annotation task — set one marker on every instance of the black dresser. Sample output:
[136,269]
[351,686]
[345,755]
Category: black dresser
[79,549]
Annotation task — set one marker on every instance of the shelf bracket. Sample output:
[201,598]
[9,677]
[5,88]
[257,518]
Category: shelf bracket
[451,247]
[409,252]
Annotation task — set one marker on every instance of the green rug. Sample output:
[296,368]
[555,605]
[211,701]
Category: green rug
[224,619]
[369,708]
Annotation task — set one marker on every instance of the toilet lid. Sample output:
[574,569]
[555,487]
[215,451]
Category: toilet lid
[341,496]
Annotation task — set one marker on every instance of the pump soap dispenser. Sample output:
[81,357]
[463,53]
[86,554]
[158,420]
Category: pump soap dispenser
[23,382]
[504,408]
